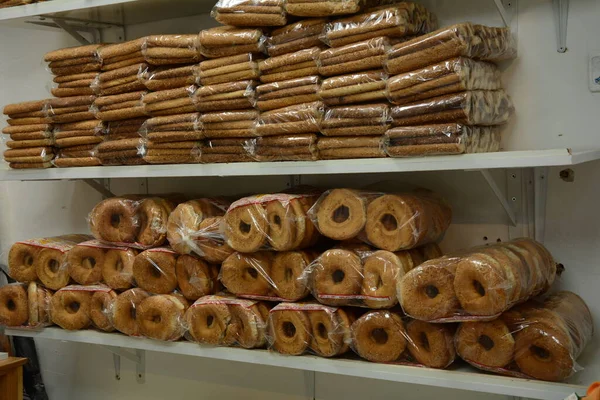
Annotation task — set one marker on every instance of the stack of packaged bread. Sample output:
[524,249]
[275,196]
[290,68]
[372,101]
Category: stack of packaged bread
[303,271]
[343,79]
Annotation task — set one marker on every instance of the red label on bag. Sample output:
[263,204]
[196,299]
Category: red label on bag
[353,296]
[230,301]
[283,198]
[61,243]
[303,307]
[91,288]
[97,244]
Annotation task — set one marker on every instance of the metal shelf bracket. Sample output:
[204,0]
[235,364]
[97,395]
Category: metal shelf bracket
[504,8]
[540,177]
[138,357]
[510,213]
[101,186]
[561,16]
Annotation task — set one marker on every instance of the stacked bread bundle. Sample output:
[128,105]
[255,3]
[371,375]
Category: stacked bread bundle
[164,78]
[299,64]
[286,148]
[173,139]
[225,41]
[361,56]
[77,142]
[322,8]
[14,3]
[250,12]
[75,70]
[171,49]
[119,55]
[227,133]
[296,36]
[122,144]
[122,80]
[228,69]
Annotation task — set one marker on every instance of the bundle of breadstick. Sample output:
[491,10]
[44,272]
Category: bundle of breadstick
[122,80]
[289,66]
[477,107]
[75,69]
[226,150]
[359,87]
[70,109]
[295,36]
[301,147]
[474,41]
[397,21]
[250,12]
[184,152]
[228,69]
[229,124]
[124,129]
[356,120]
[119,55]
[343,147]
[120,106]
[171,49]
[170,102]
[388,337]
[450,76]
[477,284]
[77,143]
[322,8]
[172,139]
[270,96]
[225,41]
[361,56]
[299,118]
[14,3]
[410,141]
[164,78]
[121,151]
[225,96]
[539,339]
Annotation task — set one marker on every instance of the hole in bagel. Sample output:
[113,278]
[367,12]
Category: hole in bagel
[322,331]
[486,342]
[389,222]
[479,288]
[289,274]
[338,276]
[431,291]
[156,319]
[73,307]
[424,342]
[156,272]
[11,305]
[28,260]
[53,265]
[88,263]
[540,353]
[289,329]
[340,214]
[209,321]
[379,336]
[244,227]
[119,266]
[277,220]
[115,220]
[132,312]
[252,272]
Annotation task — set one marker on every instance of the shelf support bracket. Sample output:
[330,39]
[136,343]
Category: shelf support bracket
[561,16]
[71,31]
[139,358]
[99,187]
[540,175]
[502,11]
[501,198]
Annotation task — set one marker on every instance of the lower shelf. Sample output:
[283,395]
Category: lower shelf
[460,377]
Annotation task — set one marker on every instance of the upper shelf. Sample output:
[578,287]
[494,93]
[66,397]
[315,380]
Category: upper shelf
[505,159]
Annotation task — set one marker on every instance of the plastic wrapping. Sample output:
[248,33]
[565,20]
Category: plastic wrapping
[74,85]
[71,306]
[180,152]
[276,221]
[171,49]
[30,157]
[165,78]
[477,284]
[160,317]
[286,93]
[225,96]
[474,41]
[128,151]
[70,109]
[173,132]
[122,80]
[74,60]
[250,12]
[123,311]
[290,66]
[189,122]
[440,139]
[77,143]
[540,340]
[119,55]
[170,102]
[14,305]
[299,328]
[354,88]
[228,69]
[477,107]
[296,119]
[385,337]
[362,56]
[301,147]
[133,222]
[356,120]
[225,41]
[399,20]
[322,8]
[229,124]
[226,321]
[296,36]
[120,107]
[227,150]
[100,310]
[38,299]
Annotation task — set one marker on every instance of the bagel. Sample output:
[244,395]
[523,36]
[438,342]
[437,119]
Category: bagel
[246,227]
[117,269]
[345,320]
[379,336]
[327,336]
[51,269]
[288,274]
[246,323]
[207,323]
[430,251]
[431,344]
[70,309]
[261,309]
[381,271]
[194,277]
[304,223]
[14,308]
[282,225]
[124,310]
[486,343]
[513,266]
[545,266]
[337,277]
[184,223]
[115,220]
[159,317]
[247,274]
[290,331]
[393,223]
[100,310]
[341,214]
[153,216]
[210,243]
[85,264]
[22,260]
[38,299]
[154,271]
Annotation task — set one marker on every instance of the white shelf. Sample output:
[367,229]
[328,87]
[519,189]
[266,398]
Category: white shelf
[461,377]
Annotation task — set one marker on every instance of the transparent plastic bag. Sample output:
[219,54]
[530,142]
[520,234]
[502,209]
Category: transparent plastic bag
[70,109]
[296,36]
[356,120]
[170,102]
[30,157]
[386,337]
[301,147]
[120,107]
[74,60]
[160,316]
[225,41]
[270,96]
[362,56]
[100,310]
[539,340]
[189,122]
[127,151]
[119,55]
[122,80]
[71,306]
[322,8]
[354,88]
[229,124]
[469,40]
[225,150]
[410,141]
[165,78]
[123,311]
[226,321]
[290,66]
[179,152]
[225,96]
[477,284]
[300,328]
[24,305]
[234,68]
[250,12]
[171,49]
[296,119]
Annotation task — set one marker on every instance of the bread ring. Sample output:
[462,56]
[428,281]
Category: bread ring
[51,270]
[392,223]
[210,243]
[337,272]
[22,260]
[184,223]
[431,251]
[153,215]
[261,309]
[14,309]
[85,264]
[289,276]
[341,213]
[246,322]
[194,277]
[544,267]
[38,298]
[70,309]
[154,271]
[207,323]
[159,317]
[301,226]
[326,335]
[290,331]
[117,270]
[247,274]
[381,270]
[246,228]
[486,343]
[282,225]
[345,320]
[115,220]
[379,336]
[124,310]
[431,344]
[100,308]
[512,265]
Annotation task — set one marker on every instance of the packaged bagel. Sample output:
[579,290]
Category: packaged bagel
[387,221]
[477,284]
[160,317]
[384,336]
[224,320]
[71,306]
[300,328]
[225,41]
[536,340]
[25,305]
[270,221]
[123,311]
[43,259]
[250,12]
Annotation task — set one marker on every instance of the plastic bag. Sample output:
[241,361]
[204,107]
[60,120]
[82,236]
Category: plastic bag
[356,120]
[71,306]
[296,119]
[539,340]
[250,12]
[473,41]
[70,109]
[27,113]
[171,123]
[322,8]
[74,60]
[120,107]
[122,151]
[122,80]
[124,129]
[278,221]
[24,305]
[290,66]
[301,147]
[30,157]
[362,56]
[296,36]
[477,284]
[160,317]
[229,124]
[226,321]
[180,152]
[165,78]
[354,88]
[123,311]
[173,132]
[119,55]
[225,96]
[100,310]
[286,93]
[171,49]
[74,85]
[227,150]
[228,69]
[170,102]
[225,41]
[441,139]
[299,328]
[385,337]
